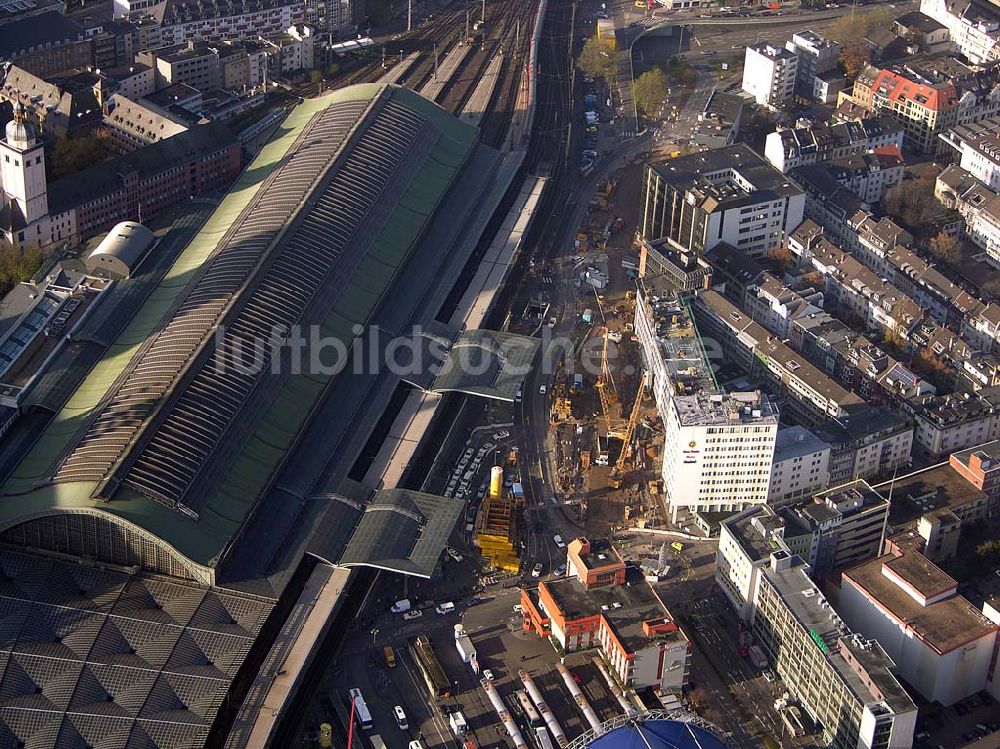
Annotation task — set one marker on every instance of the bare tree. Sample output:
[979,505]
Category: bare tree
[945,247]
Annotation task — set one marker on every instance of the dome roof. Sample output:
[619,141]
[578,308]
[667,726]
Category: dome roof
[20,133]
[657,734]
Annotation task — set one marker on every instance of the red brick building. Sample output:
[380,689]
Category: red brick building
[602,603]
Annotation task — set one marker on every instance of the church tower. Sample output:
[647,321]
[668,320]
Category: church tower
[22,169]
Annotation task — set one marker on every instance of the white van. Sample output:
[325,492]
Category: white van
[401,606]
[400,718]
[445,608]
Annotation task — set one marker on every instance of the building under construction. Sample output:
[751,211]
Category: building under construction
[497,523]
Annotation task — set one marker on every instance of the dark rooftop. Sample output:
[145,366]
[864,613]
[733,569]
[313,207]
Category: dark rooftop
[919,21]
[933,488]
[625,607]
[106,178]
[50,28]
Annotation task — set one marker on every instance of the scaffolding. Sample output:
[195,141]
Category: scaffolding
[497,529]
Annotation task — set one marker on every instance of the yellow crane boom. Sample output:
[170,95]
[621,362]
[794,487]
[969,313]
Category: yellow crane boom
[619,469]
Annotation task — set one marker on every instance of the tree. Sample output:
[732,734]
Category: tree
[780,255]
[16,267]
[854,57]
[597,59]
[315,76]
[935,370]
[849,29]
[989,552]
[71,155]
[912,202]
[649,91]
[945,247]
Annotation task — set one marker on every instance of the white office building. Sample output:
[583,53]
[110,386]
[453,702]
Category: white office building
[801,466]
[718,446]
[717,452]
[769,74]
[942,644]
[726,195]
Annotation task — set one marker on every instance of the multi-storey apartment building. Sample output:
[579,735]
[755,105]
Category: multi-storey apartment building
[816,55]
[977,145]
[806,394]
[926,96]
[855,361]
[726,195]
[974,26]
[978,205]
[776,307]
[867,175]
[801,466]
[869,444]
[769,74]
[947,423]
[809,143]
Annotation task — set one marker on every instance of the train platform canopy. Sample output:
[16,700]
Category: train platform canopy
[395,529]
[487,364]
[163,452]
[97,657]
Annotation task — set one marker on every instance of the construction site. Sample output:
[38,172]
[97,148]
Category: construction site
[499,518]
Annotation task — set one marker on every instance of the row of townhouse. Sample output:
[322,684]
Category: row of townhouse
[855,361]
[884,306]
[926,95]
[809,396]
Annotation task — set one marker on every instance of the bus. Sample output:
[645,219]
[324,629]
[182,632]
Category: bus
[435,678]
[530,713]
[361,713]
[376,741]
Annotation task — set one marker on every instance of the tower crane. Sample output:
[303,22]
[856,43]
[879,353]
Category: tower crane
[615,478]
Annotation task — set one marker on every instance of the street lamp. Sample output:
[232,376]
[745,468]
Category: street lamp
[374,635]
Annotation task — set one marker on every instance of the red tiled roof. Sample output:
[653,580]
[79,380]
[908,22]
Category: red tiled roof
[897,88]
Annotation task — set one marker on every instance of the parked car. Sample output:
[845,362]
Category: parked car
[413,614]
[445,608]
[455,555]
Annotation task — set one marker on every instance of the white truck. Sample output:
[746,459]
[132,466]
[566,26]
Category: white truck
[458,724]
